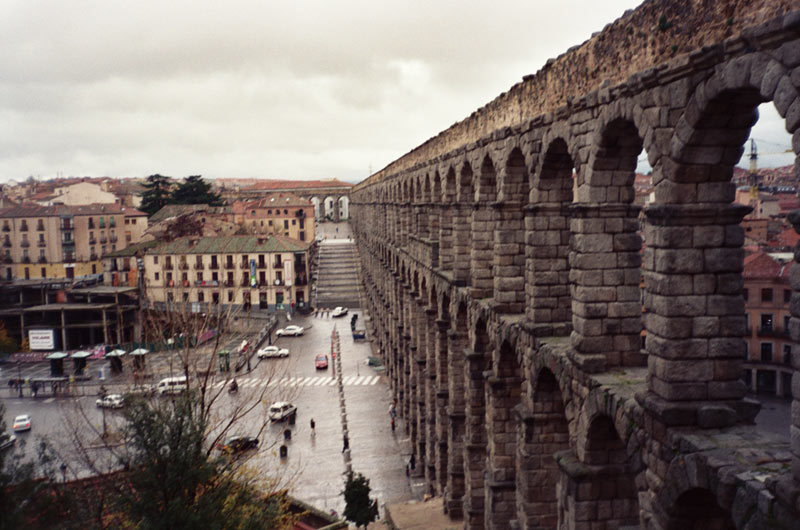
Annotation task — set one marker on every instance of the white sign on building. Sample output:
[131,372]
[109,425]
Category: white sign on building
[42,339]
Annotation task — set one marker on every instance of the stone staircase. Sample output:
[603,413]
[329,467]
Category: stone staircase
[337,275]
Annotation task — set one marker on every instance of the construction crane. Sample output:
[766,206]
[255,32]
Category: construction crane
[753,177]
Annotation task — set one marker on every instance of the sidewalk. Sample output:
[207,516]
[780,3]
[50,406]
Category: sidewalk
[416,515]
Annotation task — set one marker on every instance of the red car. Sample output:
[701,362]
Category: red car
[321,361]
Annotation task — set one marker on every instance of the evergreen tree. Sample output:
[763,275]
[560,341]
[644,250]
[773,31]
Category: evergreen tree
[156,194]
[359,508]
[195,190]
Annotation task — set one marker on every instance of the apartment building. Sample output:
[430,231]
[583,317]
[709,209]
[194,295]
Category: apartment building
[278,213]
[61,241]
[767,293]
[261,271]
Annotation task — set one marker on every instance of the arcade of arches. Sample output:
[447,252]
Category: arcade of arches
[506,282]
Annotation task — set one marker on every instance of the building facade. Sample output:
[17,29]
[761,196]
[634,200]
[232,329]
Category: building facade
[62,241]
[767,295]
[266,272]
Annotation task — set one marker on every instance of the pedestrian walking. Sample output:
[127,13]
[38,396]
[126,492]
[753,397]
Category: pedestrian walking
[313,432]
[346,444]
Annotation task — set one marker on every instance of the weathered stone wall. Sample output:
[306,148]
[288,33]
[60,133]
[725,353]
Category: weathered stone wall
[505,292]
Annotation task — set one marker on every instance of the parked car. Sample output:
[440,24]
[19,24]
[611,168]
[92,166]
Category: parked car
[339,312]
[111,401]
[292,331]
[281,410]
[321,361]
[237,444]
[272,351]
[22,423]
[7,440]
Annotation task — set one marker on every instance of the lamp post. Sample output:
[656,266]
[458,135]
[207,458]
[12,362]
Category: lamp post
[19,378]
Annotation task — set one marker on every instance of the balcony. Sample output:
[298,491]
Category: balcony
[6,228]
[277,265]
[769,331]
[68,242]
[199,266]
[103,240]
[69,258]
[93,257]
[245,282]
[26,259]
[113,239]
[7,243]
[40,227]
[92,241]
[168,265]
[66,226]
[261,265]
[183,266]
[300,280]
[7,259]
[41,244]
[42,259]
[214,266]
[206,283]
[230,265]
[24,227]
[25,243]
[278,281]
[228,283]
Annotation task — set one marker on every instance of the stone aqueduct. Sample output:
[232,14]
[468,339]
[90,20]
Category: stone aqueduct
[507,295]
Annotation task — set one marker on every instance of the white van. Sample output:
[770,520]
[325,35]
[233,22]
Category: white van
[172,385]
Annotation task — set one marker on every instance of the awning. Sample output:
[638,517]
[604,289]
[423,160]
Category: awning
[140,351]
[82,354]
[57,355]
[116,353]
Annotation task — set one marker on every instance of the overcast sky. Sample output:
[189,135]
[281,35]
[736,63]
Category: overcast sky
[300,89]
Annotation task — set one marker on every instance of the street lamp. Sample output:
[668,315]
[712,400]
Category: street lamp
[19,378]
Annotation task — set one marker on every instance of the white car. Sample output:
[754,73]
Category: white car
[339,312]
[292,331]
[22,423]
[111,401]
[281,410]
[272,351]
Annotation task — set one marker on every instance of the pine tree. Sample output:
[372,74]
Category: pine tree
[156,194]
[195,190]
[359,508]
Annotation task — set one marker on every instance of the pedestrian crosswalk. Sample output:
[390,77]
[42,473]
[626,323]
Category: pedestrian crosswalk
[349,380]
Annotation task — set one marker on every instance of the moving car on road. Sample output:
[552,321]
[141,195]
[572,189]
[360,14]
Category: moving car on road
[281,410]
[272,351]
[291,331]
[238,444]
[111,401]
[321,361]
[339,312]
[22,423]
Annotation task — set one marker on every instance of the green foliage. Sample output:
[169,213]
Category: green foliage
[195,190]
[359,508]
[663,23]
[7,343]
[175,483]
[156,194]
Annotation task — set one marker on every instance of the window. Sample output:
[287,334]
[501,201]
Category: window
[156,276]
[230,296]
[170,297]
[294,222]
[787,354]
[155,260]
[185,297]
[200,296]
[214,277]
[766,321]
[94,268]
[199,276]
[269,212]
[302,236]
[286,212]
[27,273]
[787,296]
[745,294]
[269,222]
[766,295]
[766,352]
[127,221]
[302,223]
[286,224]
[215,297]
[786,320]
[133,221]
[44,272]
[169,277]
